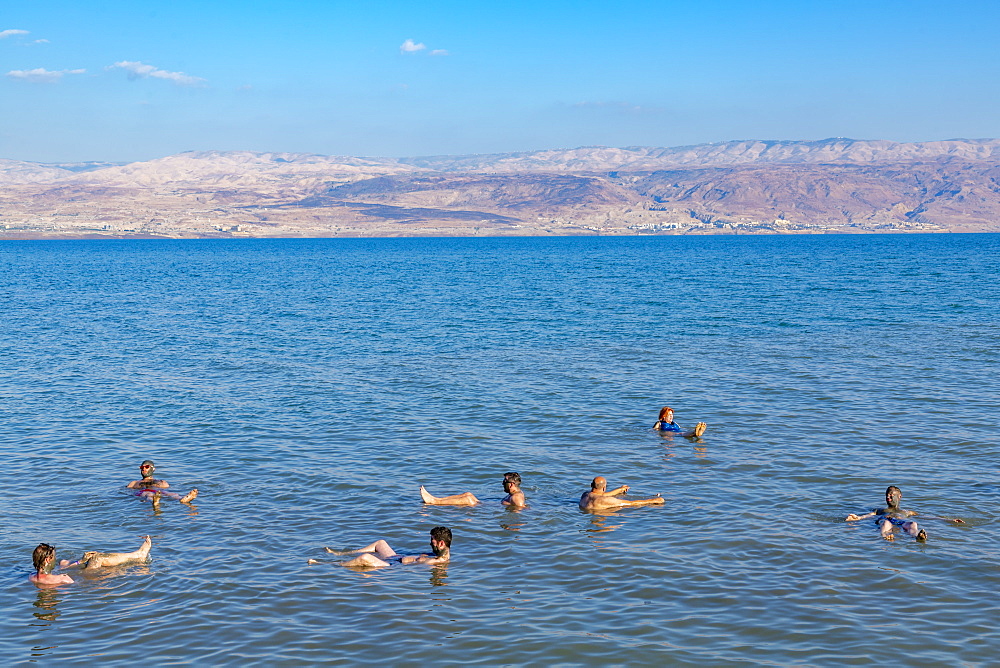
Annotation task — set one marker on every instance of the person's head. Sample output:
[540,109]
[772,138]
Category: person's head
[892,496]
[146,468]
[44,558]
[440,540]
[511,479]
[598,484]
[666,414]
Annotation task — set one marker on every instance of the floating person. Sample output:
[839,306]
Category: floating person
[106,559]
[153,489]
[511,485]
[44,560]
[666,423]
[600,498]
[380,555]
[894,515]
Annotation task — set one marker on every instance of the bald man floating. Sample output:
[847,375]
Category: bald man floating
[599,498]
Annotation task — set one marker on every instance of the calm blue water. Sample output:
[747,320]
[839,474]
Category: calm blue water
[308,387]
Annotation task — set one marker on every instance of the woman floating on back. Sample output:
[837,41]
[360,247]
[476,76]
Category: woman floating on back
[666,423]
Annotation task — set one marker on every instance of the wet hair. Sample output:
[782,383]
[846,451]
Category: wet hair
[42,555]
[512,476]
[663,412]
[443,534]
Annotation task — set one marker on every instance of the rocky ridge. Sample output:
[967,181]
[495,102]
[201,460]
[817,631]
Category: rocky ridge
[833,185]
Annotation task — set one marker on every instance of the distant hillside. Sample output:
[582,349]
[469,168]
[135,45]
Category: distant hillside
[833,185]
[602,159]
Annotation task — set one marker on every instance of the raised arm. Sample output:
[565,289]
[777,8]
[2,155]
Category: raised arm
[654,501]
[615,492]
[956,520]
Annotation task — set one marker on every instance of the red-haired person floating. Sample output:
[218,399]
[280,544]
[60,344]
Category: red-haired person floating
[665,423]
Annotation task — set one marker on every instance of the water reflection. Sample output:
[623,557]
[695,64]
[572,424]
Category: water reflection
[510,515]
[47,600]
[699,444]
[439,573]
[599,520]
[42,651]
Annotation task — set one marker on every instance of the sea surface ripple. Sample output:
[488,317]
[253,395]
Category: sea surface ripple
[308,387]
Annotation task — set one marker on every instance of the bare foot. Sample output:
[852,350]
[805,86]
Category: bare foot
[339,552]
[922,535]
[426,496]
[189,497]
[700,428]
[143,550]
[155,500]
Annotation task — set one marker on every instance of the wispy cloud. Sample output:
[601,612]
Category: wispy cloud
[41,75]
[4,34]
[439,52]
[409,46]
[41,41]
[139,70]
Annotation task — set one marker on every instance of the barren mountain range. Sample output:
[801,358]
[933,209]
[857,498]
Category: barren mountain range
[833,185]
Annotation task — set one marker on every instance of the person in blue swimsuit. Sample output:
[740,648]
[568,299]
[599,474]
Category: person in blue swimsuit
[666,423]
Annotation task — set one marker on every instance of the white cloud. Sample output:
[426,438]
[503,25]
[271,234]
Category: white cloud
[41,41]
[139,70]
[409,46]
[439,52]
[4,34]
[41,75]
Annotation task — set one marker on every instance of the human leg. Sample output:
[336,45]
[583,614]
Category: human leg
[464,499]
[366,560]
[912,528]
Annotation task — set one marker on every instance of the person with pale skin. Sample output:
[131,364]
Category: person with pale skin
[511,485]
[379,554]
[44,561]
[893,515]
[600,497]
[463,499]
[105,559]
[665,423]
[153,489]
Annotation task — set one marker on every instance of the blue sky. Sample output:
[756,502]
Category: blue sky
[126,81]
